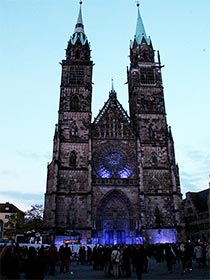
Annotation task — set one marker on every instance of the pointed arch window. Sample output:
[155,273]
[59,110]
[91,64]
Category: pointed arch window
[75,103]
[157,216]
[151,132]
[154,159]
[73,158]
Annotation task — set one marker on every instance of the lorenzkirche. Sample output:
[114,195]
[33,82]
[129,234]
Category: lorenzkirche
[113,180]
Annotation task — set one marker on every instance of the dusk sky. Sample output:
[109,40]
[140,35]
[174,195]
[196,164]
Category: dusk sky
[34,35]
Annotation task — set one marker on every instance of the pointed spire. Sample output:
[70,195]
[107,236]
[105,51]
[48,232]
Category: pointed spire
[56,131]
[112,92]
[140,30]
[170,133]
[79,27]
[112,84]
[79,32]
[159,62]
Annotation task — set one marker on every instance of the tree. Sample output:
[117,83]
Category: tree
[15,224]
[34,218]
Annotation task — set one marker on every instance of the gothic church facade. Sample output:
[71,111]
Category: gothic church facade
[114,179]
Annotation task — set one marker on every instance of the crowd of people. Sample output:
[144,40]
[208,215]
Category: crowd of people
[117,261]
[122,261]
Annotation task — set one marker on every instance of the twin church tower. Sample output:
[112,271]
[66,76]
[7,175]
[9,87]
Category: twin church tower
[113,180]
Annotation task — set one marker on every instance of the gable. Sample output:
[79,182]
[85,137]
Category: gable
[112,121]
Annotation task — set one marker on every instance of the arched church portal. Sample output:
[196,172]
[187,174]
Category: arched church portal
[114,219]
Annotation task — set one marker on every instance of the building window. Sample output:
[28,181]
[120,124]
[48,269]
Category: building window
[154,159]
[157,216]
[147,76]
[112,163]
[75,105]
[73,158]
[6,225]
[7,216]
[76,76]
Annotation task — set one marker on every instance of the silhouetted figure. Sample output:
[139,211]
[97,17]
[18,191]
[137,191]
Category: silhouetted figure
[95,258]
[33,267]
[52,257]
[126,261]
[65,254]
[107,261]
[82,255]
[169,256]
[139,260]
[9,263]
[89,255]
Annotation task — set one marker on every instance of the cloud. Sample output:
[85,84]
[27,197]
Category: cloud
[12,174]
[200,156]
[34,156]
[22,200]
[5,172]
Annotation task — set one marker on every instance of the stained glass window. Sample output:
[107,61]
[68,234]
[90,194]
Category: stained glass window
[113,163]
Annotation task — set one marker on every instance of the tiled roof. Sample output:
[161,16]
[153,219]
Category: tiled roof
[8,208]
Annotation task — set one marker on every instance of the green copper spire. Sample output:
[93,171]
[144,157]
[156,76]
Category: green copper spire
[79,32]
[140,30]
[79,26]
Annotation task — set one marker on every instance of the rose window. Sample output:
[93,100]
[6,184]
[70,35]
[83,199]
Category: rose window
[112,163]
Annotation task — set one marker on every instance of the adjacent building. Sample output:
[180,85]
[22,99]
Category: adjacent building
[113,179]
[196,207]
[8,210]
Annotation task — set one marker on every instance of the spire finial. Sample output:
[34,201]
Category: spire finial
[79,26]
[137,3]
[112,93]
[112,85]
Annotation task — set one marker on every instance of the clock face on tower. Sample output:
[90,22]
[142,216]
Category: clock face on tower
[113,162]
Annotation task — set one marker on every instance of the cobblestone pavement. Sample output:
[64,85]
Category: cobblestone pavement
[156,271]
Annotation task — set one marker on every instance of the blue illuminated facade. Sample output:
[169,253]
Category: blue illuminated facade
[113,180]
